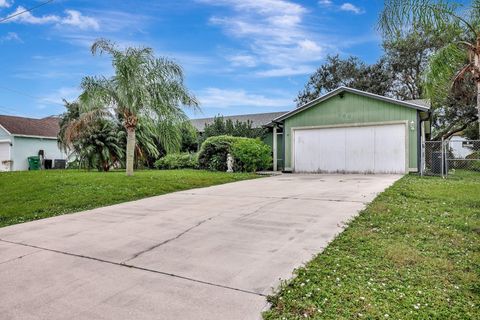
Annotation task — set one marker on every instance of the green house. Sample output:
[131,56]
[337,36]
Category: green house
[349,130]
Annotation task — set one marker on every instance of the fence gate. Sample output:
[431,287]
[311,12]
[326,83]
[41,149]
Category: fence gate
[446,157]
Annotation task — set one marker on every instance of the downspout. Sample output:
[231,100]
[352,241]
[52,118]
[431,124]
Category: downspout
[421,138]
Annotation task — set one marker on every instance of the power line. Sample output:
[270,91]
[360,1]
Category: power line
[30,96]
[7,110]
[24,11]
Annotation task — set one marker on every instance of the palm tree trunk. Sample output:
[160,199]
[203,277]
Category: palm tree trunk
[478,106]
[130,150]
[476,74]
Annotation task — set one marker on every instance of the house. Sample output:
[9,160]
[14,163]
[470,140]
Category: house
[348,130]
[22,137]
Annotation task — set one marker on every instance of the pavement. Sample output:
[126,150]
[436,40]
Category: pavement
[210,253]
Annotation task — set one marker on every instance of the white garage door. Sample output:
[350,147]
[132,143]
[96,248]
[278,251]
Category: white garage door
[366,149]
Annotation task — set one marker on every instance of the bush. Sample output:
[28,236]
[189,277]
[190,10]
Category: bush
[251,155]
[474,165]
[177,161]
[213,152]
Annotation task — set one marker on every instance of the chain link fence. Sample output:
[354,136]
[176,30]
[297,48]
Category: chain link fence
[441,158]
[463,154]
[433,161]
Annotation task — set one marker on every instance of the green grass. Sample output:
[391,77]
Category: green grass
[413,253]
[32,195]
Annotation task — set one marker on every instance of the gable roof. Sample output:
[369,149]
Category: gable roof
[46,127]
[258,119]
[414,104]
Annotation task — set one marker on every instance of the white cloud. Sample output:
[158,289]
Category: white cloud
[242,60]
[287,71]
[10,36]
[325,2]
[227,98]
[351,8]
[28,17]
[76,19]
[273,32]
[73,18]
[56,97]
[5,3]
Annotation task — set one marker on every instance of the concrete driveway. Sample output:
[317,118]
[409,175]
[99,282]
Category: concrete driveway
[211,253]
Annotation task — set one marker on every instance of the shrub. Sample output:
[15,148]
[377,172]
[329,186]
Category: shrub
[213,152]
[177,161]
[252,155]
[249,154]
[474,165]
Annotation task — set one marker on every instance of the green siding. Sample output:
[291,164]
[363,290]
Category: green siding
[352,109]
[268,139]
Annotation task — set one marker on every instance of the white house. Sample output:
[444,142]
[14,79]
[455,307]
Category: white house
[22,137]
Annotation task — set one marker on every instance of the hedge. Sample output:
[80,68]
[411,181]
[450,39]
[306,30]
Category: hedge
[249,154]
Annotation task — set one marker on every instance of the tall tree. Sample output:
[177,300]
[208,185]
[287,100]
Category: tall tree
[143,88]
[452,63]
[407,56]
[350,72]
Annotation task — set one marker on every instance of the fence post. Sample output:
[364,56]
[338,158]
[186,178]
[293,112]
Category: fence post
[442,158]
[422,158]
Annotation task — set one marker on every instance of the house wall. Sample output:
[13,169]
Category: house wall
[5,150]
[352,109]
[24,147]
[268,139]
[4,134]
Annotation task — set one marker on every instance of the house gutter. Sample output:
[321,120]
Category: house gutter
[33,136]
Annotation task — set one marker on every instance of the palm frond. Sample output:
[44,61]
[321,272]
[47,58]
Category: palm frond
[398,16]
[446,66]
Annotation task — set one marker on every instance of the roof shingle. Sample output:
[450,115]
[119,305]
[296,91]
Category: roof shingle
[258,119]
[45,127]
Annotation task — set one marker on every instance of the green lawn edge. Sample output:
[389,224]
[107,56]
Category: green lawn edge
[413,253]
[33,195]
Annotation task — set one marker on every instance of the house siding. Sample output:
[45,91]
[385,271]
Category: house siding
[352,109]
[24,147]
[268,140]
[4,134]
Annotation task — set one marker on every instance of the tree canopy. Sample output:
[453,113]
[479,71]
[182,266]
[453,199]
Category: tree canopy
[349,72]
[457,63]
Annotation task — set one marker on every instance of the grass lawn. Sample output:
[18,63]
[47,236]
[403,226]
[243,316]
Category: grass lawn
[414,253]
[31,195]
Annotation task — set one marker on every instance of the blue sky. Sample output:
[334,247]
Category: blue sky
[239,56]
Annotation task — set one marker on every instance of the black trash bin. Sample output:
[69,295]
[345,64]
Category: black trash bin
[47,163]
[437,163]
[59,164]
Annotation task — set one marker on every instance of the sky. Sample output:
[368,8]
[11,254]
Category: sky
[239,56]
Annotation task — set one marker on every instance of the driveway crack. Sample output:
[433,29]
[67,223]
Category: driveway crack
[136,255]
[124,265]
[20,257]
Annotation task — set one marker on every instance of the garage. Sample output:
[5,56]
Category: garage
[358,149]
[352,131]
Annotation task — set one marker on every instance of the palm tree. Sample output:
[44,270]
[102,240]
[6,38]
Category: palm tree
[143,89]
[96,142]
[456,61]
